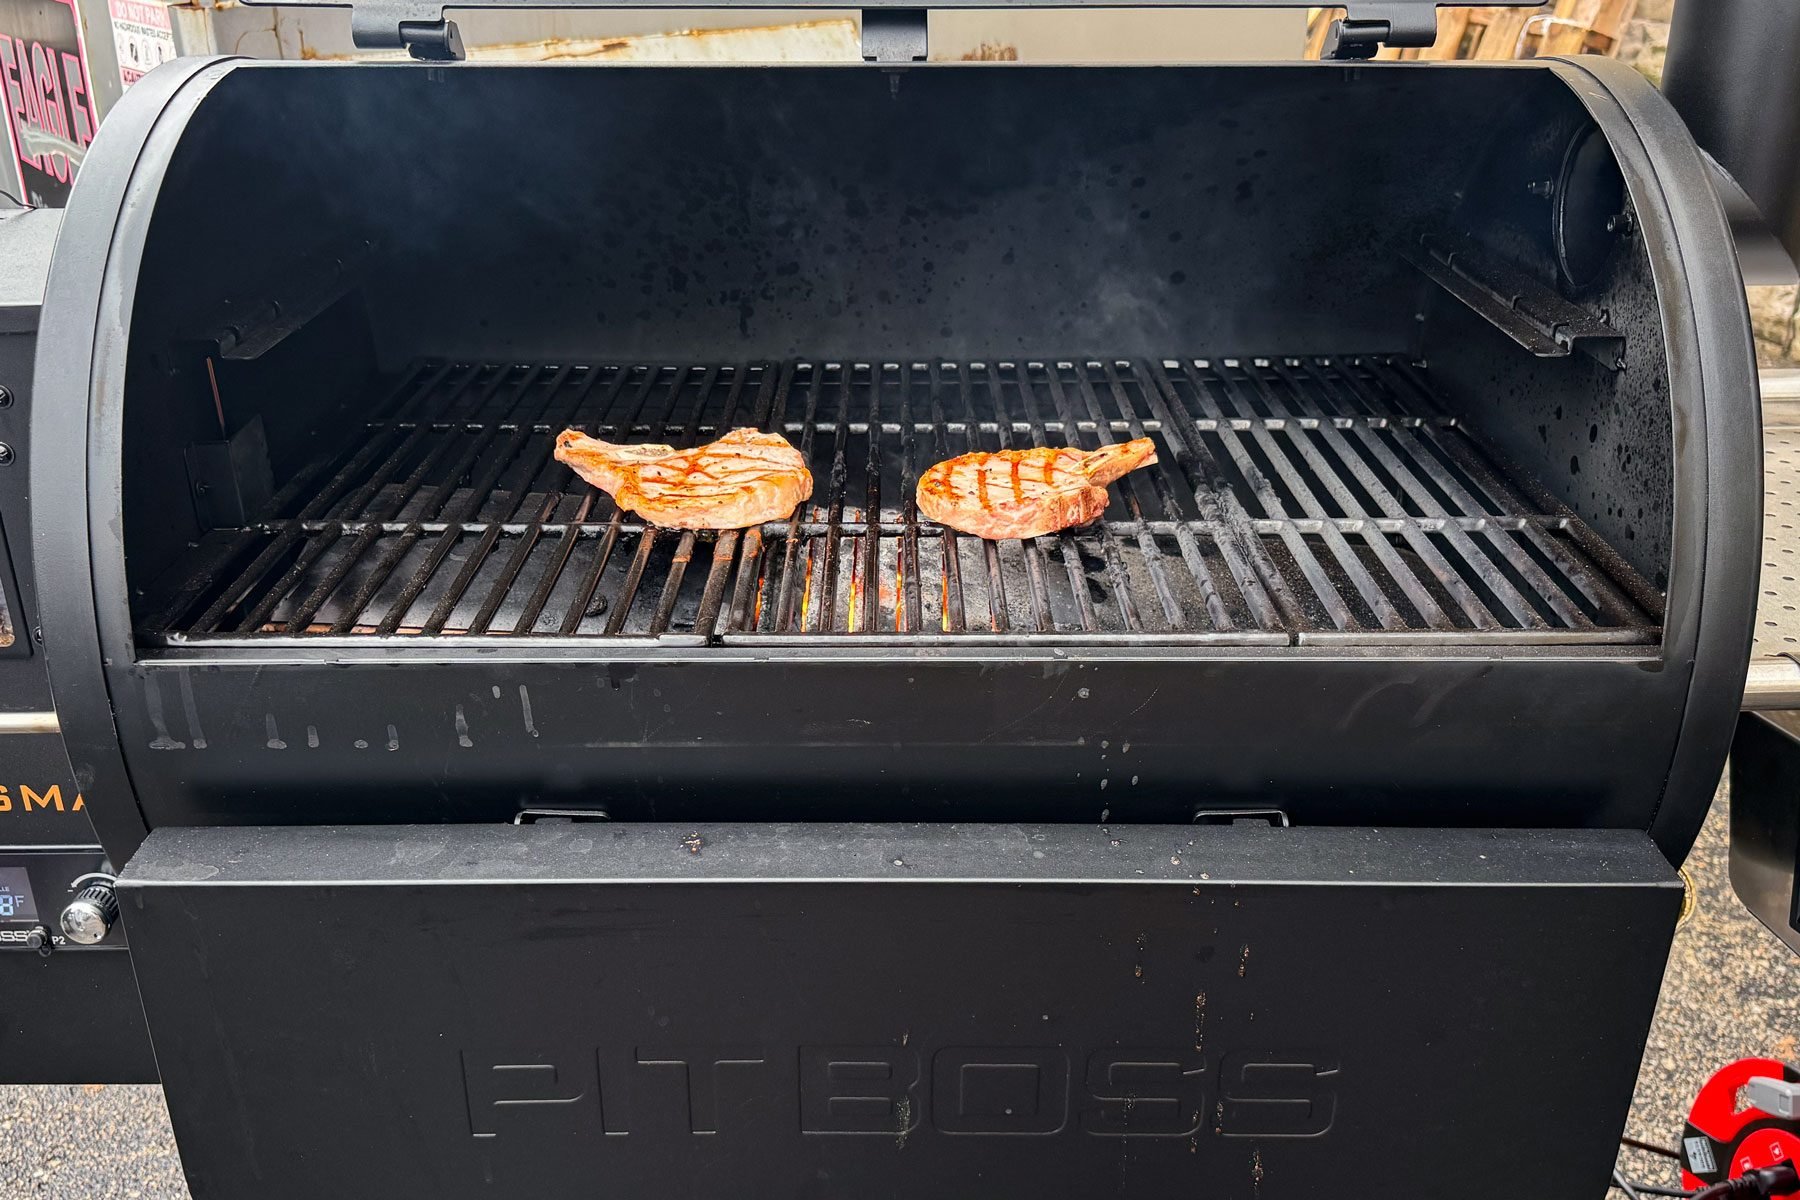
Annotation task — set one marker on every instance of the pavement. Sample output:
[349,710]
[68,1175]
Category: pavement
[1731,990]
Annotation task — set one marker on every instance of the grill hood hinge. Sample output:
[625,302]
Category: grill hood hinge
[894,35]
[423,30]
[1366,28]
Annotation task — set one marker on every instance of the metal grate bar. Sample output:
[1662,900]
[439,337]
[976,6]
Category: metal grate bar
[751,612]
[205,573]
[1372,595]
[433,507]
[1269,594]
[911,602]
[1444,480]
[1071,553]
[458,514]
[1035,562]
[1271,504]
[253,574]
[990,551]
[1293,501]
[565,547]
[585,603]
[357,502]
[1321,475]
[955,619]
[1166,484]
[1115,566]
[867,586]
[1344,458]
[786,613]
[1601,592]
[684,549]
[634,574]
[825,607]
[1480,568]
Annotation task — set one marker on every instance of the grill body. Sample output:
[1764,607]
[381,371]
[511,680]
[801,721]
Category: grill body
[1389,551]
[1453,534]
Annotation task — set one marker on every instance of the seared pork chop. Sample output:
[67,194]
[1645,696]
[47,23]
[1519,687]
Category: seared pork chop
[743,479]
[1026,493]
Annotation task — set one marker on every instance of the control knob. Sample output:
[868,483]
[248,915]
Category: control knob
[90,915]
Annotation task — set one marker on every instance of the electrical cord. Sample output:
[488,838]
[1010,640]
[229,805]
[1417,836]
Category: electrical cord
[1782,1179]
[1632,1186]
[1650,1148]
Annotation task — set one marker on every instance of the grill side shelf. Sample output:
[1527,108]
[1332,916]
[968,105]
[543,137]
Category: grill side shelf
[1295,501]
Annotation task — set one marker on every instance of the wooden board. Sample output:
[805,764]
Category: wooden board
[1558,27]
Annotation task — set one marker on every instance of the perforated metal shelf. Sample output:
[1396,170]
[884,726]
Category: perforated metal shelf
[1778,604]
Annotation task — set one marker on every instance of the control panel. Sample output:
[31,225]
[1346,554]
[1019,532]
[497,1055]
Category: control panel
[56,900]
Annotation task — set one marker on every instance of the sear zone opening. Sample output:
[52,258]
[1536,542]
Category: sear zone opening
[1295,500]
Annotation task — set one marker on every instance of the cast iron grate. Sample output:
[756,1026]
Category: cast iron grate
[1296,500]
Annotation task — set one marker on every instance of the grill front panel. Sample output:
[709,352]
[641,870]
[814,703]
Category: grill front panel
[1296,500]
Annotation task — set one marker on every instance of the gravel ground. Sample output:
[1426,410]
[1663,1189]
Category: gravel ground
[1732,990]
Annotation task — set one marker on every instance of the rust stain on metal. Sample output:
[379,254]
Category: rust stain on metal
[1243,960]
[992,52]
[1199,1021]
[833,40]
[693,842]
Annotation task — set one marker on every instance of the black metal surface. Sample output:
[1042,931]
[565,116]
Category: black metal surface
[73,1017]
[1765,820]
[75,341]
[1717,542]
[1294,500]
[25,242]
[1731,73]
[1011,1011]
[72,1014]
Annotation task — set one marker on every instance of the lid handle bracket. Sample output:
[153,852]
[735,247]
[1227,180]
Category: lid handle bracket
[894,35]
[422,29]
[1365,28]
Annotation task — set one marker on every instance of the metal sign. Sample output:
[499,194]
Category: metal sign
[142,36]
[47,96]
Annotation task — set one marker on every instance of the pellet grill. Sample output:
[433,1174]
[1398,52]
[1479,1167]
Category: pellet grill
[1307,823]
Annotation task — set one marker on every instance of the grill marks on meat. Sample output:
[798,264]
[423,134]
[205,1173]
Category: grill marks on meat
[748,477]
[998,494]
[745,478]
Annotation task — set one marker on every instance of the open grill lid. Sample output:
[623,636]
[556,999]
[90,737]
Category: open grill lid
[893,30]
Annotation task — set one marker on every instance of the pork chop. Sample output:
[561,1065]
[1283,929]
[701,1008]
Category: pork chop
[1026,493]
[743,479]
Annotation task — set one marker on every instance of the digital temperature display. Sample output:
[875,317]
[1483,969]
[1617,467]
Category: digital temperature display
[16,903]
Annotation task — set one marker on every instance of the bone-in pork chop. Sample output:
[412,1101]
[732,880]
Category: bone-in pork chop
[1026,493]
[743,479]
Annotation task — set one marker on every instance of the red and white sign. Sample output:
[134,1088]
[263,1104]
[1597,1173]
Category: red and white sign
[45,93]
[142,35]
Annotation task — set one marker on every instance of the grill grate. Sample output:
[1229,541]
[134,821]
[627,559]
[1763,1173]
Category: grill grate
[1296,500]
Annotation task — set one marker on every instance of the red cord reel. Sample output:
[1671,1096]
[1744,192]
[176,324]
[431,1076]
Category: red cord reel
[1725,1137]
